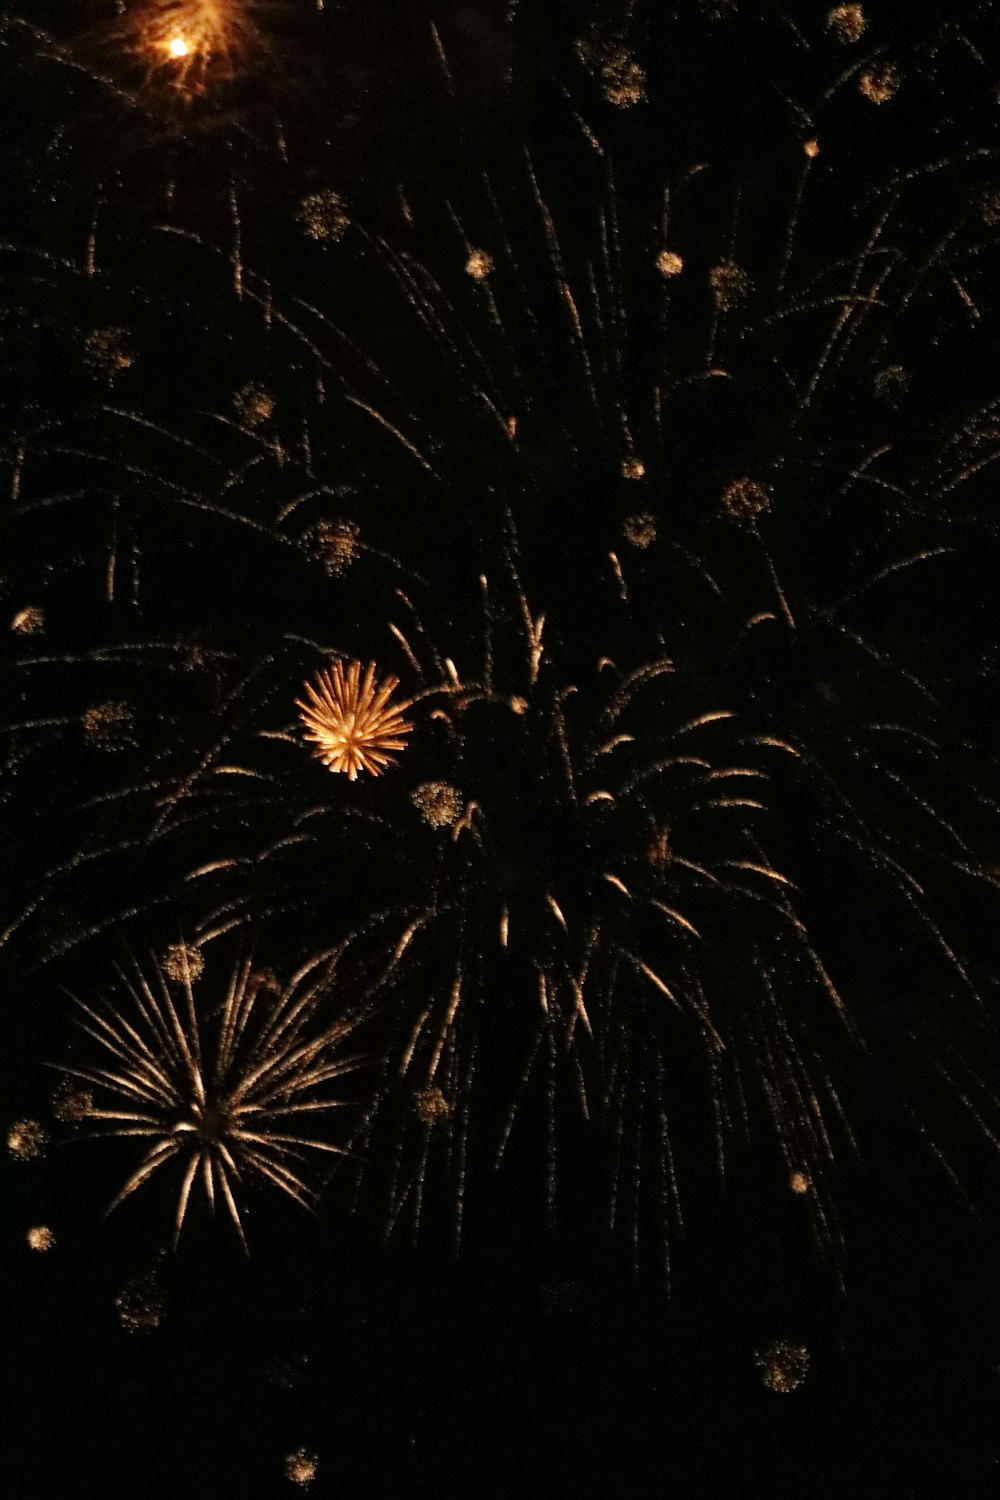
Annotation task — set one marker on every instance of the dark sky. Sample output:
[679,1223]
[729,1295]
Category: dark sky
[621,381]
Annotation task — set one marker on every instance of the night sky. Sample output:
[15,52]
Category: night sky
[561,1059]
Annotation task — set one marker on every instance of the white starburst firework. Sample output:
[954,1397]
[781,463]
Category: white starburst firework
[224,1093]
[352,721]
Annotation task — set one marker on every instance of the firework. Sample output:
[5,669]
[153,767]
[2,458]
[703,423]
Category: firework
[187,46]
[880,83]
[595,847]
[352,720]
[183,963]
[847,22]
[141,1304]
[108,726]
[29,621]
[301,1466]
[440,804]
[783,1366]
[324,216]
[216,1098]
[26,1140]
[71,1103]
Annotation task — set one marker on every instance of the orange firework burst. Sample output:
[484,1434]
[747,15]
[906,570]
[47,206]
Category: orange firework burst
[192,37]
[351,720]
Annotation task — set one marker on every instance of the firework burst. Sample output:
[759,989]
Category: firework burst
[602,911]
[220,1096]
[352,720]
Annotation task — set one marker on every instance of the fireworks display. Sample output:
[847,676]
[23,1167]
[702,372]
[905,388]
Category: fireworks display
[580,434]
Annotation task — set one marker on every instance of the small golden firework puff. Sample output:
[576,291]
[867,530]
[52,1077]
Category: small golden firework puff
[351,721]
